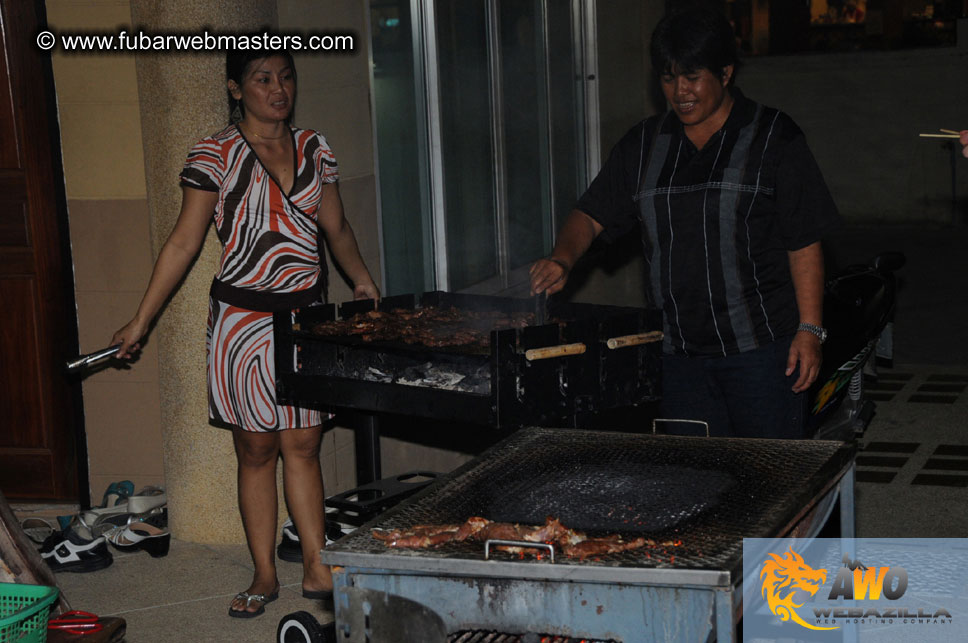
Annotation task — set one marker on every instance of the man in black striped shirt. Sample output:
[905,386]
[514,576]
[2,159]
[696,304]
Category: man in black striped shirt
[732,208]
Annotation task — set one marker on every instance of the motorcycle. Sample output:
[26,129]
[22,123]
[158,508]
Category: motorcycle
[859,304]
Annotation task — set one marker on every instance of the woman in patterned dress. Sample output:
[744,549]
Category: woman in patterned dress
[270,188]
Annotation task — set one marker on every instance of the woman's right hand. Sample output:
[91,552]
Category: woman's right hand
[129,338]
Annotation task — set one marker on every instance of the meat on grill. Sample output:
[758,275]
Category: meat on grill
[431,326]
[573,544]
[417,537]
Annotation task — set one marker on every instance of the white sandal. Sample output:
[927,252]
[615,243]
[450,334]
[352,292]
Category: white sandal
[141,535]
[147,499]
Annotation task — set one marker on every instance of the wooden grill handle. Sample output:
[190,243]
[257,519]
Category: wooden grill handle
[561,350]
[635,340]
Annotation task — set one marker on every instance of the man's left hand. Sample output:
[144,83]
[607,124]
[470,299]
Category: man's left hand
[805,349]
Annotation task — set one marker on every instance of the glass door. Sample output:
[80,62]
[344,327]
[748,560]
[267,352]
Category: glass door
[401,147]
[481,136]
[467,144]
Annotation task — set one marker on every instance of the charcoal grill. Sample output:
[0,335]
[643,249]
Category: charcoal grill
[700,496]
[498,385]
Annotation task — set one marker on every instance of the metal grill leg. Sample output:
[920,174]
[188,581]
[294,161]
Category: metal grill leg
[724,617]
[847,521]
[367,441]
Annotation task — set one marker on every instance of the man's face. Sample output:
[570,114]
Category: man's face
[695,95]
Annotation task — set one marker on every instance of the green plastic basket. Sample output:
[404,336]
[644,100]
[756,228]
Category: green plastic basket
[24,610]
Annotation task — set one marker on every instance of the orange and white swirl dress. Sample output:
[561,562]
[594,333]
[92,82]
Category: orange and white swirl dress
[271,261]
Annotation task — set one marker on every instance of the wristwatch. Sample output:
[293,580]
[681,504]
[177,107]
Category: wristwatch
[819,331]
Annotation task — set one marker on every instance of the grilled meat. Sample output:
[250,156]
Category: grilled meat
[417,537]
[606,545]
[573,544]
[432,327]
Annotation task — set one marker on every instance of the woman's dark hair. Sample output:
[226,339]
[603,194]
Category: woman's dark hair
[693,38]
[237,64]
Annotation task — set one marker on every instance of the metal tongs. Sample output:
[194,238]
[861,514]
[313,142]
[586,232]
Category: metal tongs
[91,358]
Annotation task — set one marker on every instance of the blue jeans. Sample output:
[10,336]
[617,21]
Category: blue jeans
[745,395]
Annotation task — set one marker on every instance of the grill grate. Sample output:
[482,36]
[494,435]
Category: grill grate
[703,494]
[602,497]
[480,636]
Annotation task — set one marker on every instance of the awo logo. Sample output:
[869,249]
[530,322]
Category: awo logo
[784,576]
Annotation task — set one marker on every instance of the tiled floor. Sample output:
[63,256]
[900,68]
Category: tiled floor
[185,596]
[912,470]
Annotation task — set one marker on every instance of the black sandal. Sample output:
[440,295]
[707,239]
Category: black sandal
[249,598]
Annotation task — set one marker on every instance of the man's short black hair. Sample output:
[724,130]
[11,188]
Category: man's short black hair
[693,38]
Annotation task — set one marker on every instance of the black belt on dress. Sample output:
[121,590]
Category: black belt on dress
[263,301]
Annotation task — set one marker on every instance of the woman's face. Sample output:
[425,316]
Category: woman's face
[268,90]
[696,95]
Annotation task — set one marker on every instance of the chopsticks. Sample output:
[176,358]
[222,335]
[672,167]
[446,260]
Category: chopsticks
[947,133]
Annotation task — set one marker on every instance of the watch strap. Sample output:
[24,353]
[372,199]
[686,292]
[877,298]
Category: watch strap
[819,331]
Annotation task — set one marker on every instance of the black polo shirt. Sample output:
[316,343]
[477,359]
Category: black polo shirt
[717,223]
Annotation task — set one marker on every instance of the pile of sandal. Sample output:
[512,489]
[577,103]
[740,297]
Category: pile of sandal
[129,521]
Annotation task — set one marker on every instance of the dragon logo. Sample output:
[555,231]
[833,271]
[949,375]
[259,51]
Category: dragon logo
[782,577]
